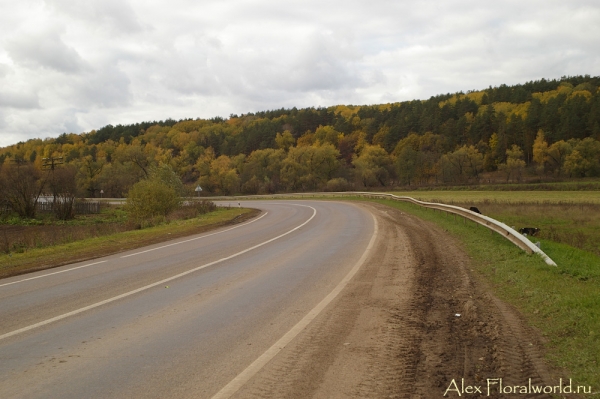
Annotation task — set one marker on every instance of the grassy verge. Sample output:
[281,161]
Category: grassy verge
[567,197]
[562,302]
[584,184]
[577,225]
[44,258]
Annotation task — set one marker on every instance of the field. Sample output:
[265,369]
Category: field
[516,197]
[569,217]
[18,235]
[583,184]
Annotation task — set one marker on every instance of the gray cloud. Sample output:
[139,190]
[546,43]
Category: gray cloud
[4,70]
[127,61]
[4,136]
[324,62]
[44,49]
[18,100]
[116,15]
[70,123]
[105,87]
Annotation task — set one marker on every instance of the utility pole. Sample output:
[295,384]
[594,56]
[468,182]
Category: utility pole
[51,163]
[19,160]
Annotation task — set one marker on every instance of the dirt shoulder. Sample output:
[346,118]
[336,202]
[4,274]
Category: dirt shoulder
[412,323]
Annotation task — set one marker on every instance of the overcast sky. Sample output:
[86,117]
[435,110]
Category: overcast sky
[74,66]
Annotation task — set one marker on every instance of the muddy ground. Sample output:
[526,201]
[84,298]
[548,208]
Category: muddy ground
[415,319]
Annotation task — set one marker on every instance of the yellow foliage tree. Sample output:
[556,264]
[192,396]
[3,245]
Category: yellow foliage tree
[284,140]
[540,150]
[514,165]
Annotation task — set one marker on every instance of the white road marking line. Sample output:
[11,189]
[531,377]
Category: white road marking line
[197,238]
[126,294]
[50,274]
[234,385]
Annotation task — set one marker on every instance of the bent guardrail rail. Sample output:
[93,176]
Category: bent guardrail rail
[507,232]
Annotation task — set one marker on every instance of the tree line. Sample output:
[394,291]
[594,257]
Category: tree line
[550,127]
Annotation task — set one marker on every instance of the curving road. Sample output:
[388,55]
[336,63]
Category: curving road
[181,318]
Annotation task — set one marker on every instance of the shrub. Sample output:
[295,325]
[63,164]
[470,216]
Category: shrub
[20,188]
[338,184]
[151,198]
[63,186]
[193,208]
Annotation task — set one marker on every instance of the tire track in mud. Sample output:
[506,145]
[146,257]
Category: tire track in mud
[518,350]
[394,331]
[392,360]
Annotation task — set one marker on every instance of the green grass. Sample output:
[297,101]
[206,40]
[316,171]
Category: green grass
[562,302]
[574,223]
[446,196]
[41,258]
[577,225]
[584,184]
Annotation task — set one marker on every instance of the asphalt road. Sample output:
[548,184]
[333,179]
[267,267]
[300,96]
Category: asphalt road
[179,319]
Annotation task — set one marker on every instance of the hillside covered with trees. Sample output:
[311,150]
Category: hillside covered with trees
[550,128]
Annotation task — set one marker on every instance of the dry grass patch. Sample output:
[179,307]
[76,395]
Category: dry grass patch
[43,258]
[574,224]
[571,197]
[569,217]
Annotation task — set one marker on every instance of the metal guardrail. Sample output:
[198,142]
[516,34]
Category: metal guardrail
[507,232]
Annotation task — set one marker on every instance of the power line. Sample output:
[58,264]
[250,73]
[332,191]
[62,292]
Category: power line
[51,163]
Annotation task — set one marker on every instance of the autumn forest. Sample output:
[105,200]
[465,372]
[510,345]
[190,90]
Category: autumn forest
[545,128]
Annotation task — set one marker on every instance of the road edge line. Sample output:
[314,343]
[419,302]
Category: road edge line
[234,385]
[53,273]
[195,238]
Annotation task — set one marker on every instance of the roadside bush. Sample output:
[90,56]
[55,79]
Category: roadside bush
[338,184]
[21,186]
[192,209]
[150,199]
[64,187]
[203,206]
